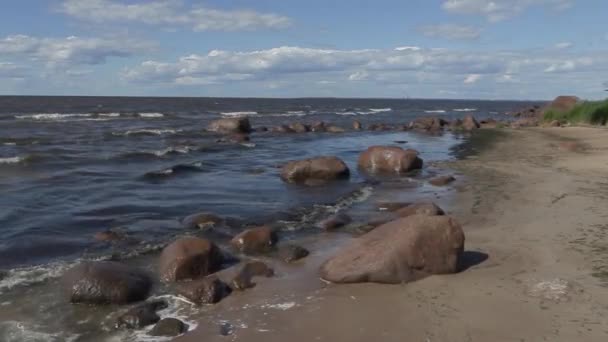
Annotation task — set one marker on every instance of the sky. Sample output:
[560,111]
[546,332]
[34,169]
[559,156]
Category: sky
[472,49]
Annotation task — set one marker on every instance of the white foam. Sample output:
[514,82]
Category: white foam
[465,109]
[237,114]
[32,275]
[50,116]
[11,160]
[177,308]
[15,331]
[280,306]
[295,113]
[10,143]
[151,115]
[380,110]
[435,111]
[178,149]
[110,115]
[148,131]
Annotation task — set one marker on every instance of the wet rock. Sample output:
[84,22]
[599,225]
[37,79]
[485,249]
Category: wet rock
[281,129]
[469,123]
[318,126]
[320,168]
[299,127]
[244,278]
[400,251]
[442,180]
[230,125]
[169,327]
[389,159]
[429,124]
[105,282]
[203,220]
[189,258]
[334,129]
[110,235]
[379,127]
[290,253]
[3,274]
[255,240]
[423,208]
[209,290]
[226,329]
[335,221]
[141,315]
[357,125]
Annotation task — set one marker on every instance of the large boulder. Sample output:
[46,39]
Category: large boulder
[189,258]
[319,169]
[469,123]
[255,240]
[106,282]
[400,251]
[421,208]
[562,104]
[429,124]
[230,125]
[389,159]
[525,122]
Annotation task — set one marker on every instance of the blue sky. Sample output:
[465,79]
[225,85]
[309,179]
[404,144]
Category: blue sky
[487,49]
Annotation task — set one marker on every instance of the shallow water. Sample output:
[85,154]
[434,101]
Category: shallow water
[70,167]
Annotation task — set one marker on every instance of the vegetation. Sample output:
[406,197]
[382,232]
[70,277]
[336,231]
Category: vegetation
[590,112]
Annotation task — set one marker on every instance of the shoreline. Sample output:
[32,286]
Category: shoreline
[530,206]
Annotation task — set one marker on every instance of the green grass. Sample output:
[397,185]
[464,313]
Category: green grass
[589,112]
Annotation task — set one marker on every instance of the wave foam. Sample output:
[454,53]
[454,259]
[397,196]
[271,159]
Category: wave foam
[380,110]
[151,115]
[147,131]
[237,114]
[12,160]
[32,275]
[435,111]
[465,109]
[50,116]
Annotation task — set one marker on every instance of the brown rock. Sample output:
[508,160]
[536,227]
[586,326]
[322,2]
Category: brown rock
[555,123]
[335,221]
[244,277]
[189,258]
[230,125]
[469,123]
[169,327]
[429,124]
[318,126]
[105,282]
[290,253]
[209,290]
[379,127]
[389,159]
[141,315]
[320,168]
[400,251]
[334,129]
[255,240]
[299,127]
[562,104]
[202,220]
[423,208]
[442,180]
[357,125]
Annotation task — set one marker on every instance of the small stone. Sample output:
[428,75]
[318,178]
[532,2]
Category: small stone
[169,327]
[204,291]
[141,315]
[334,222]
[290,253]
[243,279]
[442,180]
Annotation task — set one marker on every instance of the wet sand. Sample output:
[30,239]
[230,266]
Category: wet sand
[533,210]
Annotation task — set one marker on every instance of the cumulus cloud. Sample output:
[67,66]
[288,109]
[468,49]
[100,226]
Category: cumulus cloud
[172,14]
[473,78]
[70,50]
[498,10]
[451,31]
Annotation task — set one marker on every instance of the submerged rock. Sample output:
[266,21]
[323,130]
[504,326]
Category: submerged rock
[334,129]
[235,138]
[255,240]
[110,235]
[315,169]
[244,278]
[209,290]
[189,258]
[106,282]
[169,327]
[299,127]
[230,125]
[282,129]
[422,208]
[335,221]
[318,126]
[141,315]
[389,159]
[400,251]
[290,253]
[203,220]
[442,180]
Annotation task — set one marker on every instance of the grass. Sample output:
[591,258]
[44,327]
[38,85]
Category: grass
[589,112]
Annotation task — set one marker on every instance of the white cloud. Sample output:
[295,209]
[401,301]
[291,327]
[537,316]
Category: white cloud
[451,31]
[69,51]
[563,45]
[358,76]
[577,64]
[473,78]
[497,10]
[171,13]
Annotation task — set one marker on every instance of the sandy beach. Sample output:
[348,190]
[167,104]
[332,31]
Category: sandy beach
[531,204]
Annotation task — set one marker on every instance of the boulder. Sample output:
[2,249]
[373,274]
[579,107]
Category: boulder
[379,127]
[106,282]
[299,127]
[320,168]
[422,208]
[244,277]
[169,327]
[290,253]
[389,159]
[209,290]
[442,180]
[255,240]
[189,258]
[400,251]
[230,125]
[469,123]
[429,124]
[562,104]
[318,126]
[357,125]
[282,129]
[334,129]
[203,220]
[335,221]
[141,315]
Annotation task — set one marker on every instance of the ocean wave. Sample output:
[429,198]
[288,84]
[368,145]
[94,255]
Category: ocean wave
[51,116]
[150,115]
[109,115]
[12,160]
[465,109]
[177,307]
[380,110]
[32,275]
[435,111]
[293,113]
[237,114]
[147,131]
[173,171]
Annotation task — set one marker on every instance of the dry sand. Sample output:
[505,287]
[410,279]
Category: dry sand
[534,216]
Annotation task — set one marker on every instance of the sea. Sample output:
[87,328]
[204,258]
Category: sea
[74,166]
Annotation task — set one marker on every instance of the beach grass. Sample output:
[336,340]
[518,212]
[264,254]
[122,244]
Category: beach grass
[589,112]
